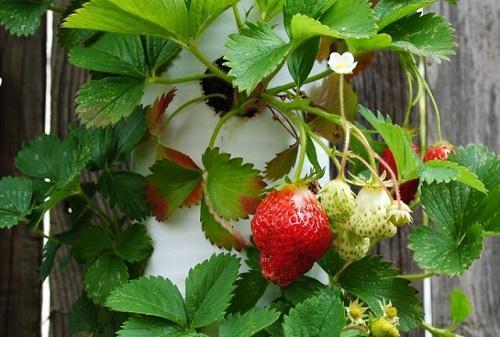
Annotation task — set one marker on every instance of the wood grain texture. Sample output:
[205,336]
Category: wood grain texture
[468,92]
[66,283]
[22,109]
[382,87]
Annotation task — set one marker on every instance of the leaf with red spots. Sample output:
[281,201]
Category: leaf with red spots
[171,185]
[155,113]
[219,231]
[232,188]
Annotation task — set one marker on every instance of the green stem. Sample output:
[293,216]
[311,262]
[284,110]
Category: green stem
[96,209]
[237,16]
[409,99]
[219,125]
[291,85]
[438,332]
[347,129]
[492,234]
[191,102]
[46,236]
[416,277]
[302,155]
[158,80]
[212,67]
[59,10]
[325,148]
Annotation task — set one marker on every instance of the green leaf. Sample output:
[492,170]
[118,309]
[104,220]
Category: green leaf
[84,315]
[102,276]
[40,157]
[48,257]
[270,8]
[489,216]
[398,140]
[304,27]
[373,280]
[311,8]
[159,52]
[302,59]
[168,19]
[302,289]
[170,184]
[389,11]
[209,288]
[371,44]
[15,200]
[106,101]
[124,189]
[319,316]
[247,324]
[91,243]
[22,17]
[74,155]
[70,38]
[149,327]
[152,296]
[445,171]
[253,54]
[218,231]
[351,19]
[203,12]
[134,244]
[233,188]
[282,164]
[250,288]
[460,306]
[312,155]
[428,36]
[118,54]
[331,262]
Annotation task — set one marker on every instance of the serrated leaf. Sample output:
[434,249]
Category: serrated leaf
[102,276]
[489,216]
[304,27]
[156,112]
[371,44]
[399,141]
[134,244]
[253,54]
[22,17]
[15,200]
[159,52]
[220,232]
[171,183]
[389,11]
[428,36]
[247,324]
[83,315]
[107,101]
[282,164]
[40,157]
[445,171]
[331,262]
[351,18]
[149,327]
[152,296]
[168,19]
[70,38]
[460,306]
[373,280]
[311,8]
[250,288]
[302,289]
[269,8]
[91,243]
[203,12]
[113,53]
[233,189]
[319,316]
[124,189]
[301,60]
[74,155]
[209,288]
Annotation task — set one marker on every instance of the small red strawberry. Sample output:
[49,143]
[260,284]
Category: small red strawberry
[439,151]
[408,189]
[291,231]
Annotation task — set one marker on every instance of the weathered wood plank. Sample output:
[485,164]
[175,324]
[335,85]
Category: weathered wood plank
[468,92]
[382,87]
[22,108]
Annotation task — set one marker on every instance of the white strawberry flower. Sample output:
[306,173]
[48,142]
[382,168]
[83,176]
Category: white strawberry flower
[342,64]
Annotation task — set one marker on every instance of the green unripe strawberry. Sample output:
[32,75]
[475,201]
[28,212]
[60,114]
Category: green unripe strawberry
[382,327]
[338,201]
[350,246]
[399,215]
[369,219]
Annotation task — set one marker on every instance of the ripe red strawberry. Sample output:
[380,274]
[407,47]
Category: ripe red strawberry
[291,231]
[438,152]
[408,189]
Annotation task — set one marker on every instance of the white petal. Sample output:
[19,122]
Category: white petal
[348,58]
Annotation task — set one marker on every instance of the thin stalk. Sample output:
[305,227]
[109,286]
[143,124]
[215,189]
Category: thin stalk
[417,277]
[347,129]
[96,209]
[492,234]
[212,67]
[291,85]
[59,10]
[46,236]
[373,172]
[325,148]
[158,80]
[191,102]
[237,16]
[409,99]
[219,125]
[302,154]
[438,332]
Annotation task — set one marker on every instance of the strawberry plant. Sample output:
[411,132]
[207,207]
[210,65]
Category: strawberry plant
[382,176]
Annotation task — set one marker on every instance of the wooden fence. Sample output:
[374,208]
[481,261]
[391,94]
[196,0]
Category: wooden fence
[467,89]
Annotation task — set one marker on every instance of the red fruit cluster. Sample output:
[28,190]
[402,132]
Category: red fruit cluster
[291,231]
[438,152]
[408,189]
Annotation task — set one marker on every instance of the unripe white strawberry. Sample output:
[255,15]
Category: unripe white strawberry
[399,215]
[350,246]
[369,219]
[338,201]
